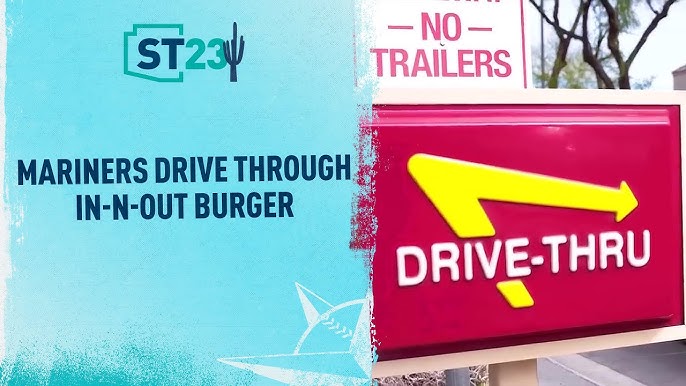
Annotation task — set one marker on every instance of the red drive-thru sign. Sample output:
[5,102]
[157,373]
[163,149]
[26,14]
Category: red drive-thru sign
[510,224]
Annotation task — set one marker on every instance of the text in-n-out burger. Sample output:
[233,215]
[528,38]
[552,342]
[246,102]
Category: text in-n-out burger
[449,43]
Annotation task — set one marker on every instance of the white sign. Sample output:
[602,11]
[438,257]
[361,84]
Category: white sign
[450,44]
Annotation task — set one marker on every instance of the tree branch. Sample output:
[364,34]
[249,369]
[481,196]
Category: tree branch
[577,19]
[556,26]
[651,27]
[562,48]
[599,42]
[613,35]
[588,50]
[650,5]
[556,12]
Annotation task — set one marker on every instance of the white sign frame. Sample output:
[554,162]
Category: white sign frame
[397,24]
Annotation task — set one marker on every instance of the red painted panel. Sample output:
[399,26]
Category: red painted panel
[599,145]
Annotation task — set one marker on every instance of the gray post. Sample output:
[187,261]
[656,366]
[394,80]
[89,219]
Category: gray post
[457,377]
[542,49]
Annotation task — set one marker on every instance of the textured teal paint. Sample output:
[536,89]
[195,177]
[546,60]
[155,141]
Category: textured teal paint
[157,302]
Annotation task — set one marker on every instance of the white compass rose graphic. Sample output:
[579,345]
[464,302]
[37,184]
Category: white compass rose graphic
[334,350]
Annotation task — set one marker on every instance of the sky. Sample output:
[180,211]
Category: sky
[663,53]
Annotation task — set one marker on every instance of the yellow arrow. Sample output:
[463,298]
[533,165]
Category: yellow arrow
[515,293]
[455,188]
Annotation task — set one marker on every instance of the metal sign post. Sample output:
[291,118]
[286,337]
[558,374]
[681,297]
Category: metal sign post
[521,373]
[457,377]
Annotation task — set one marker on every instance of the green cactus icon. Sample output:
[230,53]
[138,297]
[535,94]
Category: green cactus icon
[233,54]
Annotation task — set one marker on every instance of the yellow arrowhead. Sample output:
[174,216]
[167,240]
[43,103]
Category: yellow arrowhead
[515,293]
[455,188]
[627,204]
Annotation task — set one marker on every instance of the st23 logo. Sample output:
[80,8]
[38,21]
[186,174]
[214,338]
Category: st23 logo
[156,51]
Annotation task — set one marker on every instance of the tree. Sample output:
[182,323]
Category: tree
[576,73]
[572,73]
[597,26]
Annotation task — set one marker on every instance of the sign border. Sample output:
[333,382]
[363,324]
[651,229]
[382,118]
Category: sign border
[528,97]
